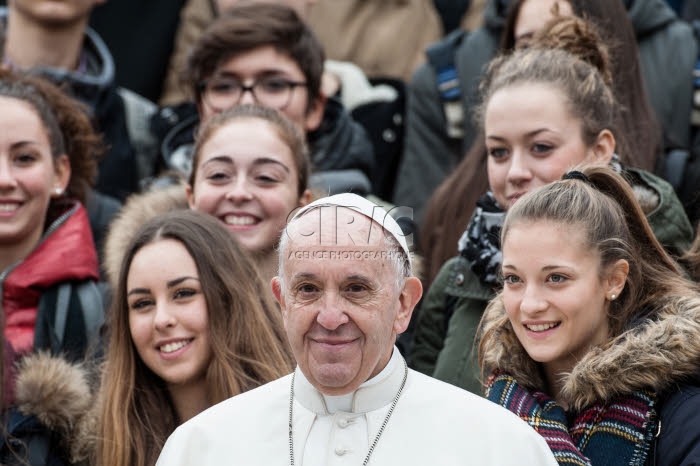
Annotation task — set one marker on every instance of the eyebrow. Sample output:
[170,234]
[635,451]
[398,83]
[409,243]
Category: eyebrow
[23,143]
[529,134]
[260,74]
[544,269]
[138,291]
[360,278]
[169,284]
[304,276]
[258,161]
[177,281]
[312,276]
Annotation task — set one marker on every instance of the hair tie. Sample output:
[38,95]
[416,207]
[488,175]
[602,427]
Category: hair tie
[576,175]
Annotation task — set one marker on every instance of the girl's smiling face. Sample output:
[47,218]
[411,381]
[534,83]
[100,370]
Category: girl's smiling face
[29,175]
[532,139]
[247,178]
[168,317]
[555,293]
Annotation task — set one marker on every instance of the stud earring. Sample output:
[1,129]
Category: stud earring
[612,297]
[58,192]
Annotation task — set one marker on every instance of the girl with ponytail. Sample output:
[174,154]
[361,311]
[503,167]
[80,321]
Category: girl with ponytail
[593,338]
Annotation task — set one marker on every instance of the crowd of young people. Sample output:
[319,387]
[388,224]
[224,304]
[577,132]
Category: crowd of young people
[571,300]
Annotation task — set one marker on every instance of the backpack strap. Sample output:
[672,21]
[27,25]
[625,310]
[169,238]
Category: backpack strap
[441,57]
[61,316]
[74,305]
[92,304]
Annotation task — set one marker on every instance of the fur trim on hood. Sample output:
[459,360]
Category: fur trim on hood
[58,395]
[139,208]
[658,352]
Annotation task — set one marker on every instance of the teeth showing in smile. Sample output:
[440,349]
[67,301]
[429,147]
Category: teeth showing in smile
[541,327]
[170,347]
[239,220]
[8,207]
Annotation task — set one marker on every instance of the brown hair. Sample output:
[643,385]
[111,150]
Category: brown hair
[245,27]
[288,133]
[449,209]
[67,126]
[248,342]
[588,96]
[637,122]
[580,69]
[606,210]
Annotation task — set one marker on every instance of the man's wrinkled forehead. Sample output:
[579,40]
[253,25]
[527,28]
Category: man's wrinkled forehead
[335,226]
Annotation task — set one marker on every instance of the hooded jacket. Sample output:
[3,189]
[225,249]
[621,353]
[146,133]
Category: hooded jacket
[120,115]
[664,41]
[660,354]
[51,421]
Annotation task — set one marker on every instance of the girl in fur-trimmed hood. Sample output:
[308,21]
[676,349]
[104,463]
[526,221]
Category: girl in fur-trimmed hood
[594,338]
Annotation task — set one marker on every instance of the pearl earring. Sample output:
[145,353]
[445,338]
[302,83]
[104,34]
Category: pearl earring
[58,192]
[612,297]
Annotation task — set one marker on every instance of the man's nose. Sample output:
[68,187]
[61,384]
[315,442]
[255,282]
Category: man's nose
[331,315]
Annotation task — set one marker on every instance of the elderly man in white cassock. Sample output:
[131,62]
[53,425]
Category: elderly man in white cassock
[346,290]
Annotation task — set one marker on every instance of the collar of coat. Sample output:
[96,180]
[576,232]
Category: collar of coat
[661,351]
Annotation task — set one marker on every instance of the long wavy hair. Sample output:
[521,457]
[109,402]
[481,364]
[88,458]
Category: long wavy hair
[249,345]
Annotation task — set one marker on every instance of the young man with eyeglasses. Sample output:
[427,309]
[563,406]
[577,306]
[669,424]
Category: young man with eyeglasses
[264,53]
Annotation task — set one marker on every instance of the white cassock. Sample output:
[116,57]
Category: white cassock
[433,424]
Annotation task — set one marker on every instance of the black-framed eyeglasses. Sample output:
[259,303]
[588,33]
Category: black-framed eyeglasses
[225,92]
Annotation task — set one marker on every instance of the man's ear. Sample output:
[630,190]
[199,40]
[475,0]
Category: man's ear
[409,297]
[314,115]
[604,147]
[279,296]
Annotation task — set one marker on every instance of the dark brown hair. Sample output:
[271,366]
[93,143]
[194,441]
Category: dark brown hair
[249,345]
[67,126]
[287,131]
[246,27]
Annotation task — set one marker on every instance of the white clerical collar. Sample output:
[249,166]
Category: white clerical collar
[373,394]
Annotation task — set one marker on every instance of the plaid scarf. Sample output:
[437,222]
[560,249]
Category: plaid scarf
[616,433]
